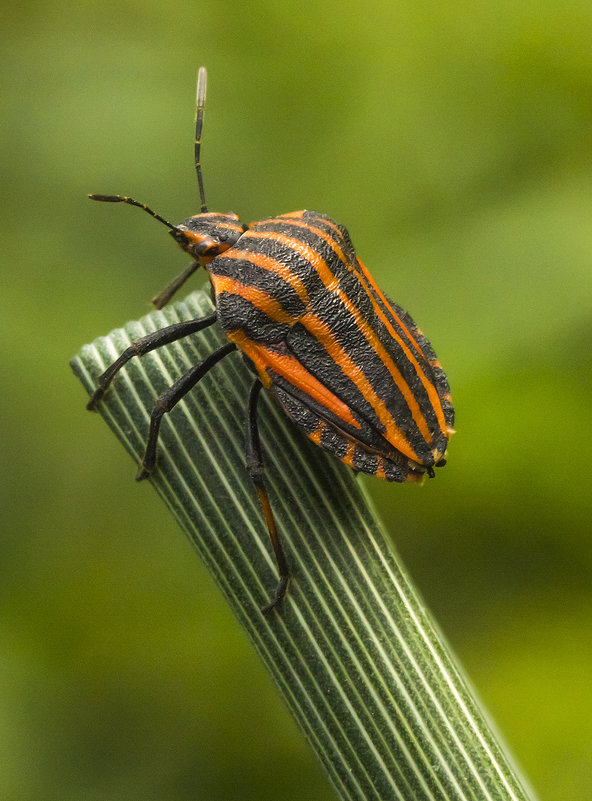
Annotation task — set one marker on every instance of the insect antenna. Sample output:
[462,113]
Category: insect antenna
[132,202]
[200,101]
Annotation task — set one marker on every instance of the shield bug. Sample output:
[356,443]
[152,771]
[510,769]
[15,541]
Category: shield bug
[347,366]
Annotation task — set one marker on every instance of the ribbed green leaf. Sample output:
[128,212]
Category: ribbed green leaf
[352,649]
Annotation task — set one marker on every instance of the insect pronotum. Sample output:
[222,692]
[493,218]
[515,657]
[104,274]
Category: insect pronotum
[348,367]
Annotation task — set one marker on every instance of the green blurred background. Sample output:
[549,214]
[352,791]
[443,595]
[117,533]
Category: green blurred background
[454,141]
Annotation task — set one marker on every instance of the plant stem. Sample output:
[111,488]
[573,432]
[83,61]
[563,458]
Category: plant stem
[352,649]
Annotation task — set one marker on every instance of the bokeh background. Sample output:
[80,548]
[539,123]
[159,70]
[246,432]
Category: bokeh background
[454,140]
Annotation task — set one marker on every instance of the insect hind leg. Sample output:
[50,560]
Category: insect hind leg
[256,470]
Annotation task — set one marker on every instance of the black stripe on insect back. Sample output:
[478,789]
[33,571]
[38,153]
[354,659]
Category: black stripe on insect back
[310,220]
[369,428]
[398,317]
[436,371]
[321,362]
[236,313]
[419,346]
[335,230]
[248,272]
[304,234]
[326,431]
[338,273]
[286,254]
[308,414]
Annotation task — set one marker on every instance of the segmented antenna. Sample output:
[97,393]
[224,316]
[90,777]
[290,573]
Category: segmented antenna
[202,77]
[132,202]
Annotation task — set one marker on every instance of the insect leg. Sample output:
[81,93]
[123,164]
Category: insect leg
[150,342]
[167,293]
[170,398]
[256,470]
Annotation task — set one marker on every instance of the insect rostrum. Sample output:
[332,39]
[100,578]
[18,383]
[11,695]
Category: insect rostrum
[348,367]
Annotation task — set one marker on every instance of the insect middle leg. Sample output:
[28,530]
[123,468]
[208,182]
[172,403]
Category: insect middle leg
[256,470]
[170,398]
[163,336]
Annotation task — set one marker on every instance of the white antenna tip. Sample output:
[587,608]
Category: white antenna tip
[202,79]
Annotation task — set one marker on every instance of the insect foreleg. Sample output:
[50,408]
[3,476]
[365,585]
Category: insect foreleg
[256,470]
[164,336]
[167,293]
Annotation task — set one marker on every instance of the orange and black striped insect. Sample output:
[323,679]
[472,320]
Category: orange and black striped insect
[347,366]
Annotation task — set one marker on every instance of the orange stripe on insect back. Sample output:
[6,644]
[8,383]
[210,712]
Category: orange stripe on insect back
[274,266]
[323,234]
[306,251]
[348,457]
[366,275]
[330,281]
[300,214]
[261,300]
[293,371]
[317,434]
[374,341]
[230,226]
[296,217]
[283,364]
[323,333]
[428,385]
